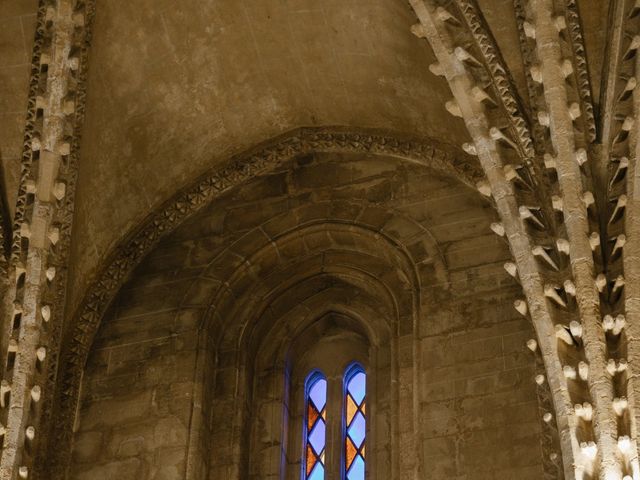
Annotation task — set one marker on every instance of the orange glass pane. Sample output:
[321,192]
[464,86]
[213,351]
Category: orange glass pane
[364,408]
[352,408]
[311,459]
[312,416]
[324,414]
[350,452]
[362,451]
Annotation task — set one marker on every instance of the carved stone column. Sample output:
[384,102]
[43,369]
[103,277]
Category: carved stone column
[34,312]
[557,223]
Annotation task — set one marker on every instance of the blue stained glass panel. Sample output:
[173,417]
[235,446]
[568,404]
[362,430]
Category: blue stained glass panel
[357,387]
[318,394]
[355,422]
[356,472]
[317,437]
[357,430]
[314,427]
[318,473]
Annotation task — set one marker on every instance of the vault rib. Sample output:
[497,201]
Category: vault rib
[631,265]
[621,109]
[432,20]
[575,219]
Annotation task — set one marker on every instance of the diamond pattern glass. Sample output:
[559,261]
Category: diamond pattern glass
[315,427]
[318,472]
[355,422]
[357,387]
[317,437]
[318,394]
[356,430]
[356,472]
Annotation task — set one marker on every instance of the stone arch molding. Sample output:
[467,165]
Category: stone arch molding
[398,287]
[133,248]
[267,259]
[365,344]
[256,320]
[254,317]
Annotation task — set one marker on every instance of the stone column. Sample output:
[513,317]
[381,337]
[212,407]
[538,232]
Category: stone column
[42,227]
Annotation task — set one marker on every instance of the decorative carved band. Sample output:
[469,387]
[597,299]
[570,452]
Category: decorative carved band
[500,76]
[29,129]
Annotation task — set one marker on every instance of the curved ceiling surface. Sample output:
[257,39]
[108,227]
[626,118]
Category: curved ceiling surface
[175,87]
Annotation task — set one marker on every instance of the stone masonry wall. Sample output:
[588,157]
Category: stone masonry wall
[477,395]
[475,412]
[477,391]
[137,395]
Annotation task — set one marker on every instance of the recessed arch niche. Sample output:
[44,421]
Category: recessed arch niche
[392,252]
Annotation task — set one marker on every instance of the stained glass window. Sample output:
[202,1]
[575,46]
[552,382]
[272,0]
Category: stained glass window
[315,424]
[355,387]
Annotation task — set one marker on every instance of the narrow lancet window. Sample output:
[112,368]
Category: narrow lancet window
[315,422]
[355,387]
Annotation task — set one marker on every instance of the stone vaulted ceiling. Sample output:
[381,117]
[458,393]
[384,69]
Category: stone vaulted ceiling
[135,113]
[175,90]
[178,88]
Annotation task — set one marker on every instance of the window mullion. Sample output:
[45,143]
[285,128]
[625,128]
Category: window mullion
[334,438]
